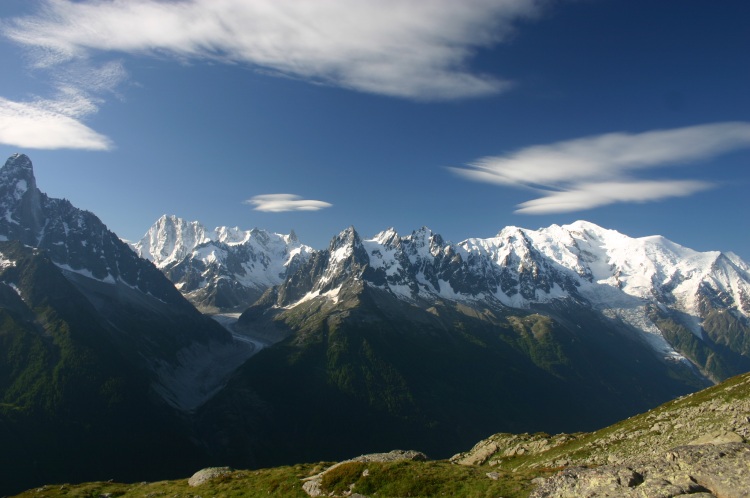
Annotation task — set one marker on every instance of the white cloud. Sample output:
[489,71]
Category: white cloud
[48,125]
[595,171]
[279,203]
[413,49]
[56,123]
[592,195]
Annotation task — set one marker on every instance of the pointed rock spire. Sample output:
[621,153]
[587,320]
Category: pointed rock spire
[18,172]
[344,242]
[20,200]
[19,161]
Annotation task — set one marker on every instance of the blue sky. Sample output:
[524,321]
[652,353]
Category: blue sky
[462,116]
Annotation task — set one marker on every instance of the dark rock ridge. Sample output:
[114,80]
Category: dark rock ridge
[75,239]
[130,293]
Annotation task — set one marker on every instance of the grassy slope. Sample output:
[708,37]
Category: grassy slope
[438,478]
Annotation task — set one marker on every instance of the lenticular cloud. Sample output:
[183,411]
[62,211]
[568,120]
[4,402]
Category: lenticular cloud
[595,171]
[279,203]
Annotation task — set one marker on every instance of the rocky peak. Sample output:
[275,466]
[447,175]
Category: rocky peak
[234,235]
[21,214]
[425,243]
[388,238]
[346,256]
[170,239]
[346,250]
[347,238]
[18,167]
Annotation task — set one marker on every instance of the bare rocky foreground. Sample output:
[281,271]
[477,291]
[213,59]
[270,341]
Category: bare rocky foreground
[721,470]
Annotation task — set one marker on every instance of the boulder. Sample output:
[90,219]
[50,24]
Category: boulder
[206,475]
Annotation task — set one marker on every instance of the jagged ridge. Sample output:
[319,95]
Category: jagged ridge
[681,302]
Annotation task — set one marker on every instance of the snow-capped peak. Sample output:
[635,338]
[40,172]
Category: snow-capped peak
[388,237]
[231,235]
[648,269]
[224,268]
[582,260]
[170,240]
[619,276]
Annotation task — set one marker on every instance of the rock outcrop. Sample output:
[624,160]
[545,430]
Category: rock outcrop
[504,445]
[709,470]
[313,485]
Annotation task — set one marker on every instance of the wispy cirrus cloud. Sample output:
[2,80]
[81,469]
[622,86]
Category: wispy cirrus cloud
[595,171]
[279,203]
[57,122]
[410,49]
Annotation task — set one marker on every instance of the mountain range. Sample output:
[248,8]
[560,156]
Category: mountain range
[223,270]
[416,341]
[364,346]
[690,307]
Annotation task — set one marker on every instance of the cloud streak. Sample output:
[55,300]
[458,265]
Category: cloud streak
[279,203]
[596,171]
[409,49]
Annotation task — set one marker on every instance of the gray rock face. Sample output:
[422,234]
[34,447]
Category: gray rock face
[721,470]
[207,475]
